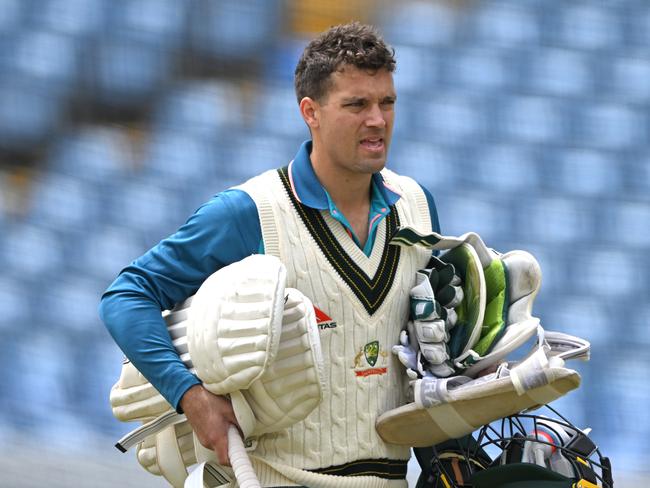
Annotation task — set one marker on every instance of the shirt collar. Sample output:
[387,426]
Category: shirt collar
[308,190]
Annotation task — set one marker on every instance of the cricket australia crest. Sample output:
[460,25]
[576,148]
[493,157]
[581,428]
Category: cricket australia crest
[371,360]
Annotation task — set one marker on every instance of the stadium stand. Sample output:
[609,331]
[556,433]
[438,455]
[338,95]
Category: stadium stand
[528,120]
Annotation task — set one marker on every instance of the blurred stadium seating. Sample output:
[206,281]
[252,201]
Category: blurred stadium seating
[527,119]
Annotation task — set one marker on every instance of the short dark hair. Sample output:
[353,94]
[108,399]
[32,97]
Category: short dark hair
[355,44]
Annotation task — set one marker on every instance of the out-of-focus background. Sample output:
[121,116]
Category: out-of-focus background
[527,119]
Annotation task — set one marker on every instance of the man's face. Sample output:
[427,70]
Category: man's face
[355,120]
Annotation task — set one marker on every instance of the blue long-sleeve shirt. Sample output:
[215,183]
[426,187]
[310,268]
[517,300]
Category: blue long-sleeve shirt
[224,230]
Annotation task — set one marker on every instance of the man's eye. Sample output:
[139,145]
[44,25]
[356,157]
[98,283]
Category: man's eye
[388,102]
[354,104]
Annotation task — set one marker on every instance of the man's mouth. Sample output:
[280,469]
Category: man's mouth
[373,143]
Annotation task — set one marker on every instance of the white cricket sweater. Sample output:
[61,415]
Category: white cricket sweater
[364,302]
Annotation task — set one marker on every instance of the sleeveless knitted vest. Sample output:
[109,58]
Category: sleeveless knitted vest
[362,304]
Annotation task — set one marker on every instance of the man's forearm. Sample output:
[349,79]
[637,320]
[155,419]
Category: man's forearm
[137,326]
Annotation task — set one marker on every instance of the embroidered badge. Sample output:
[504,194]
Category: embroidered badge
[323,320]
[370,355]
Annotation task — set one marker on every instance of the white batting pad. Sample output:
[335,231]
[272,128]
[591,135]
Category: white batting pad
[134,398]
[292,386]
[234,322]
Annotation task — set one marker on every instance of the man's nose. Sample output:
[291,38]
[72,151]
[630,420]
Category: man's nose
[376,117]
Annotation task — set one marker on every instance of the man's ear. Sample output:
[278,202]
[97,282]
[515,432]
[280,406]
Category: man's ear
[310,111]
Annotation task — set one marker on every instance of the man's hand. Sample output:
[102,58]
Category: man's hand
[210,416]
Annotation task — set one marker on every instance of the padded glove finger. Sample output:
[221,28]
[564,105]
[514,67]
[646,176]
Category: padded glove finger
[404,352]
[431,331]
[435,353]
[450,296]
[423,303]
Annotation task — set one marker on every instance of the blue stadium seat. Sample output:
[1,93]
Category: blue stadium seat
[97,155]
[47,58]
[103,253]
[637,173]
[29,251]
[65,202]
[200,108]
[639,21]
[478,68]
[178,159]
[452,118]
[611,126]
[280,64]
[630,77]
[70,307]
[480,212]
[586,26]
[11,15]
[160,22]
[277,112]
[42,362]
[559,72]
[618,413]
[99,366]
[423,24]
[14,301]
[124,75]
[581,315]
[506,24]
[553,220]
[29,112]
[82,19]
[253,153]
[629,224]
[609,273]
[144,207]
[504,169]
[531,120]
[433,166]
[588,173]
[224,29]
[417,67]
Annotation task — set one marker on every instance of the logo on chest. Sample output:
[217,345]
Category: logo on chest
[324,321]
[371,360]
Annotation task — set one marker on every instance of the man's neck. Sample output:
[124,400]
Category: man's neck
[347,189]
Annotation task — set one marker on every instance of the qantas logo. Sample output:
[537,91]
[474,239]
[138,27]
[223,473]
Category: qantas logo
[323,320]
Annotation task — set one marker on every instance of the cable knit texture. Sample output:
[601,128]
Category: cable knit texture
[364,379]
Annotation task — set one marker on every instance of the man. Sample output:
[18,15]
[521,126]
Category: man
[328,216]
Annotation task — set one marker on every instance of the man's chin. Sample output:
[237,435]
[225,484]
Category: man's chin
[373,165]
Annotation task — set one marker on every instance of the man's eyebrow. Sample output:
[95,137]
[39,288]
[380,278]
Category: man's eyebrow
[354,99]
